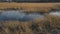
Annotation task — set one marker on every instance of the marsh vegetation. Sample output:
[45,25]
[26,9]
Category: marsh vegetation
[34,22]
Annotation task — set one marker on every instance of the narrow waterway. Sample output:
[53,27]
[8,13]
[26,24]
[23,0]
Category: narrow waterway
[18,15]
[21,16]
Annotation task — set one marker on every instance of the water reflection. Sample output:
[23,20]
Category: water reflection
[18,15]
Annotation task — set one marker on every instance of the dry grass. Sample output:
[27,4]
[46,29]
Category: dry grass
[47,25]
[38,7]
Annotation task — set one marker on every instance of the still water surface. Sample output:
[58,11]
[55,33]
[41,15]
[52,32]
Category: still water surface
[18,15]
[21,16]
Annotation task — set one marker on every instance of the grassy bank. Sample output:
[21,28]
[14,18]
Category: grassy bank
[30,7]
[47,25]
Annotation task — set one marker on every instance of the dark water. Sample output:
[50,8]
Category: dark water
[18,15]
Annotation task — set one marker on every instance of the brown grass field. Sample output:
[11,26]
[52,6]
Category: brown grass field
[30,7]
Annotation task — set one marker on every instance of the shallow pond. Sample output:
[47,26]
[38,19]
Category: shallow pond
[18,15]
[21,16]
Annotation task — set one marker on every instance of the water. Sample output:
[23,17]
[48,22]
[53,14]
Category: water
[18,15]
[21,16]
[55,13]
